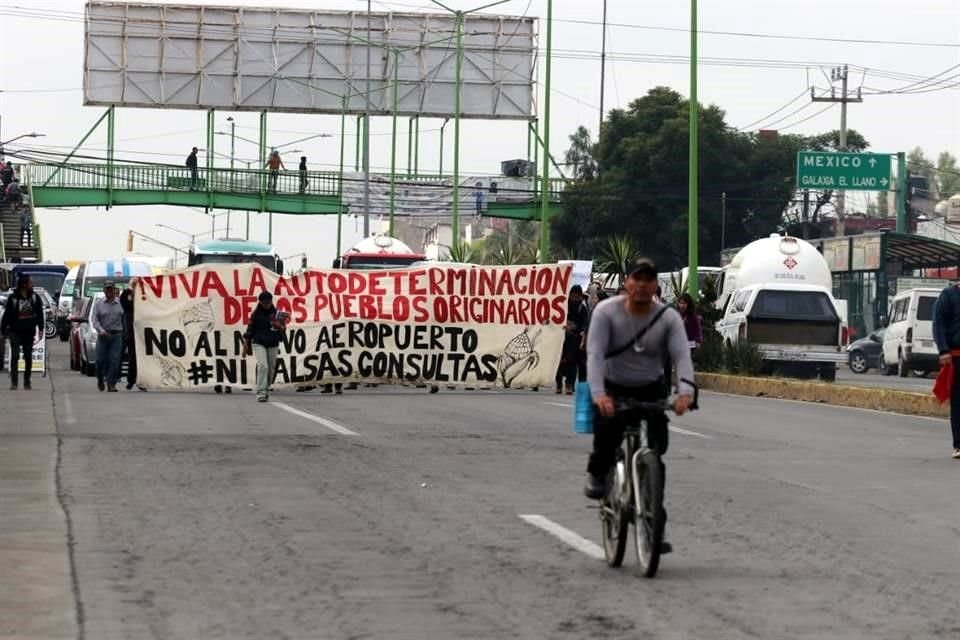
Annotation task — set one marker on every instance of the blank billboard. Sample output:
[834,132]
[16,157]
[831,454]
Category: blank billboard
[250,59]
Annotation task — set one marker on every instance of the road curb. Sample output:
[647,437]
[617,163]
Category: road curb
[907,402]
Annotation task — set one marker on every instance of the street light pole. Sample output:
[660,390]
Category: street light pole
[442,127]
[693,280]
[366,139]
[723,221]
[233,134]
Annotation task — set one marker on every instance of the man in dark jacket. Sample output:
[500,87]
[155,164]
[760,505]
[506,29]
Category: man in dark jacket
[192,165]
[129,343]
[262,340]
[22,319]
[577,314]
[946,333]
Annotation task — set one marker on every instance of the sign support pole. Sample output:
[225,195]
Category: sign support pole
[902,193]
[343,144]
[545,193]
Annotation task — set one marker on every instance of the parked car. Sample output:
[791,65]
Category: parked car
[50,312]
[864,354]
[81,315]
[87,336]
[908,344]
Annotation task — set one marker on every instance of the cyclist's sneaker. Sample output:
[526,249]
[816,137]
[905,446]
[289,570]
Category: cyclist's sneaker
[956,454]
[665,548]
[595,487]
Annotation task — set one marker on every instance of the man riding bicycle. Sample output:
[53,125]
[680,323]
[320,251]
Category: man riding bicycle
[629,340]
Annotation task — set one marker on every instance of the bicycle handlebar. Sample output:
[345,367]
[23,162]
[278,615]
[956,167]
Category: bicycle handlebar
[628,404]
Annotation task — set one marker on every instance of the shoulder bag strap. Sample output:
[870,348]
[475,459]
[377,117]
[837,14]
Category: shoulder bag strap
[615,352]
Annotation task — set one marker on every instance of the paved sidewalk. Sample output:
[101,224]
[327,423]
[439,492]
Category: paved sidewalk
[36,600]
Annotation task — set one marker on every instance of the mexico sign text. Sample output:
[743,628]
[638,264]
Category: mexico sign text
[830,170]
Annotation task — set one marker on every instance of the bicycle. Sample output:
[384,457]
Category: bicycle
[635,490]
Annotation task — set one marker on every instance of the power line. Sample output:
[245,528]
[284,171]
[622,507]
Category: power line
[770,115]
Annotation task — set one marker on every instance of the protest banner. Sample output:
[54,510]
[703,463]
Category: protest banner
[471,325]
[582,272]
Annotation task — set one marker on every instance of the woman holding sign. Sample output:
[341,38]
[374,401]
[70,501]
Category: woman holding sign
[264,332]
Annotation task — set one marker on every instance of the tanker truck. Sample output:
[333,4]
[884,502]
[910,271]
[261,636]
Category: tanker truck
[777,293]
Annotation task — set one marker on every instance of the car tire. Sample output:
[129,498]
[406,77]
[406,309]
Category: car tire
[902,369]
[884,368]
[828,374]
[858,362]
[90,369]
[920,373]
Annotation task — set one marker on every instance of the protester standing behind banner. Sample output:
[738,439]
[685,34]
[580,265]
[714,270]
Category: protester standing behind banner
[264,332]
[129,340]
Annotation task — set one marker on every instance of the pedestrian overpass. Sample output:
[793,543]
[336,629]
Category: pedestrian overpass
[74,184]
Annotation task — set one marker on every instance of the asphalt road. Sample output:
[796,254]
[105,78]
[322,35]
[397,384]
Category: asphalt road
[872,378]
[391,513]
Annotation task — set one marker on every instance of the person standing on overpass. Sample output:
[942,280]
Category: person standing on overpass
[192,166]
[946,333]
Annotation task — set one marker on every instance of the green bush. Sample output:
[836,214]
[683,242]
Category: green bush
[743,358]
[709,357]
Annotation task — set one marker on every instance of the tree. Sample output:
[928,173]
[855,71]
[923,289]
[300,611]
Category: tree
[883,204]
[919,165]
[580,155]
[461,252]
[948,175]
[617,258]
[642,193]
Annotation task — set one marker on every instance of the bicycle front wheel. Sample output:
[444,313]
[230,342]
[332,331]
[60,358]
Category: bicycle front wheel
[649,518]
[614,524]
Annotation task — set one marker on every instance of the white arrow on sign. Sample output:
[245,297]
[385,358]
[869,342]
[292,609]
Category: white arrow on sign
[883,182]
[873,162]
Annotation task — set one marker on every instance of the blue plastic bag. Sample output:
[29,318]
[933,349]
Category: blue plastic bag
[582,409]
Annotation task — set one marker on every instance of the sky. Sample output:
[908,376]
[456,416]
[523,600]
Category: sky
[758,68]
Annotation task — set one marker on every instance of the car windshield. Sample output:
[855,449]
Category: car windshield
[51,282]
[269,262]
[794,304]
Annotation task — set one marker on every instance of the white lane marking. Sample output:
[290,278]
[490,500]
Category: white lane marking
[329,424]
[685,432]
[69,417]
[575,540]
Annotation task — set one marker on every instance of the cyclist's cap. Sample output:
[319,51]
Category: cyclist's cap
[109,284]
[266,296]
[643,269]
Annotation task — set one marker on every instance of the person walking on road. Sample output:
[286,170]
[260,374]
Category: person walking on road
[573,339]
[192,165]
[108,322]
[274,163]
[262,340]
[691,321]
[946,333]
[21,322]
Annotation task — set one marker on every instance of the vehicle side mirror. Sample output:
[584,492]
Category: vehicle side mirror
[875,337]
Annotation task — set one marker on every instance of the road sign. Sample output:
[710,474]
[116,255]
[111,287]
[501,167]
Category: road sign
[852,171]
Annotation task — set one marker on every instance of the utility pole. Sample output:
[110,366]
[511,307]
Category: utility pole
[841,74]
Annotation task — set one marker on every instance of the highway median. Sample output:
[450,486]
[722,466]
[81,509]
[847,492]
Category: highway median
[893,400]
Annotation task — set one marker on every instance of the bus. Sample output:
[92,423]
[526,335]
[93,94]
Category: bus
[86,279]
[379,252]
[235,251]
[46,276]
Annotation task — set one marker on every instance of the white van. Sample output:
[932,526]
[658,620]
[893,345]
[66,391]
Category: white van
[908,341]
[87,279]
[796,327]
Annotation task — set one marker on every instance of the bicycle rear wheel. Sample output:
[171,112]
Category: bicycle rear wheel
[614,522]
[649,518]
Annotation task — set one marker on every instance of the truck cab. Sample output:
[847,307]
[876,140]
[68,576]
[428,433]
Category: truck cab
[380,252]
